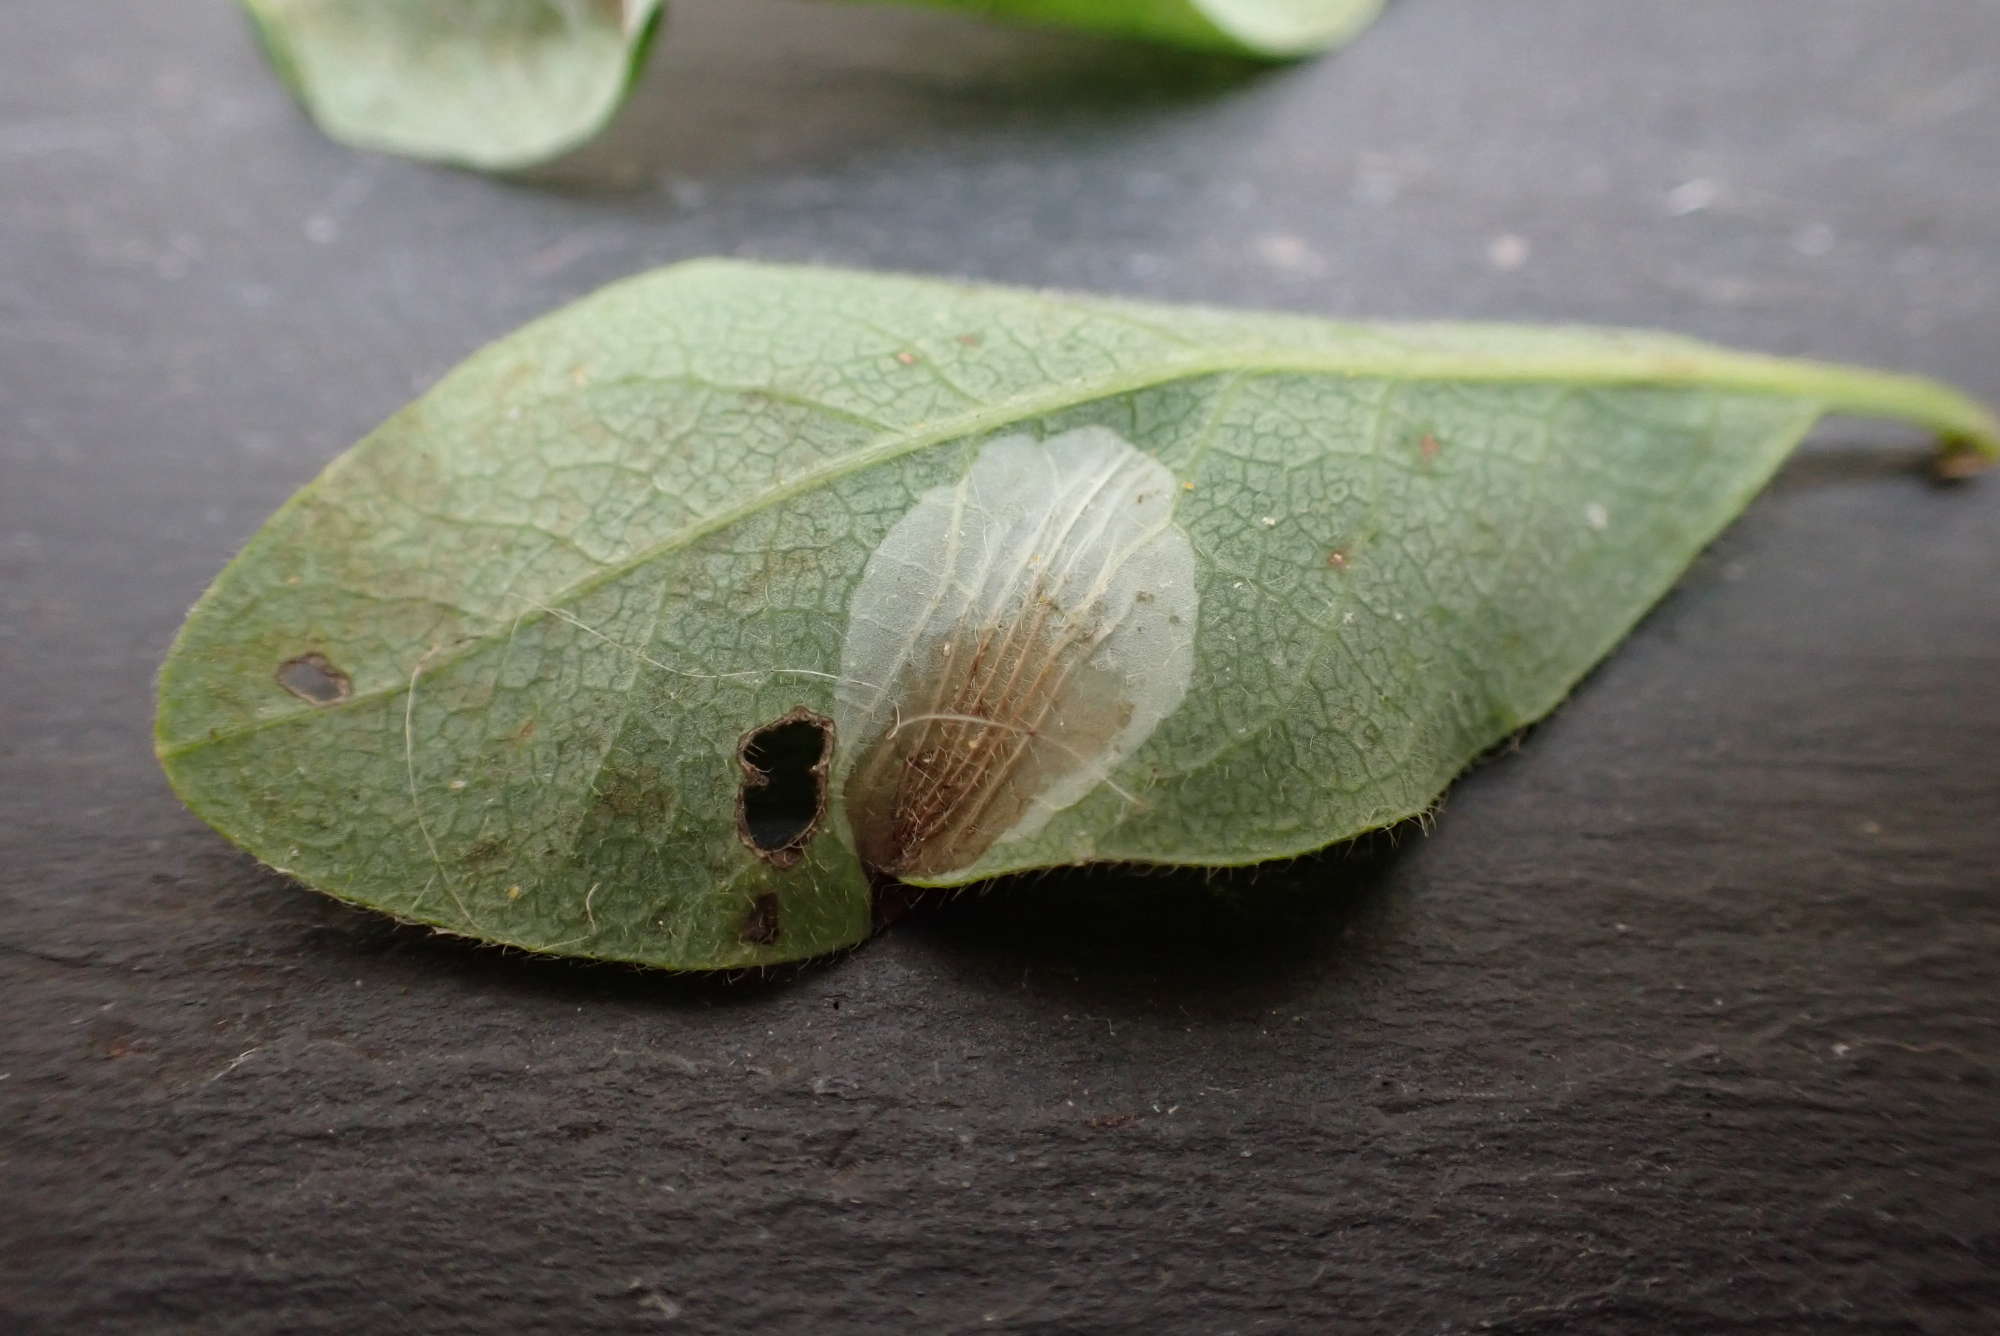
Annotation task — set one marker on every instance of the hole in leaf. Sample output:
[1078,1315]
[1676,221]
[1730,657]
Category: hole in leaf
[312,677]
[783,797]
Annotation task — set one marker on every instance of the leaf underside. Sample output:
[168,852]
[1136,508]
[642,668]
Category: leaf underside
[494,669]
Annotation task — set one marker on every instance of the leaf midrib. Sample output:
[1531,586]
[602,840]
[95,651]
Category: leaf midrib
[1833,386]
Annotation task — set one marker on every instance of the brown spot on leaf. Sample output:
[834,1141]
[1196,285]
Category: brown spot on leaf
[907,358]
[629,790]
[484,850]
[760,925]
[1429,448]
[782,799]
[313,678]
[969,340]
[517,377]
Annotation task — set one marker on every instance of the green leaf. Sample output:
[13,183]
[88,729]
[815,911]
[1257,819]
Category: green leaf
[504,84]
[493,84]
[1271,29]
[1068,579]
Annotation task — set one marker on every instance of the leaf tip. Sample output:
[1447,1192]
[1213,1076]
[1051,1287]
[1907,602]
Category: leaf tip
[1960,458]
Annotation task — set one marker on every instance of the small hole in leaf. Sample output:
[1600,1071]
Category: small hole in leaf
[760,925]
[312,677]
[783,796]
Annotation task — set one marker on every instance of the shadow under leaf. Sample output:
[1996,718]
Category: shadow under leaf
[1204,939]
[1853,458]
[363,938]
[753,86]
[1105,935]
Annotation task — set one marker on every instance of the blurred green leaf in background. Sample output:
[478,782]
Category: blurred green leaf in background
[503,84]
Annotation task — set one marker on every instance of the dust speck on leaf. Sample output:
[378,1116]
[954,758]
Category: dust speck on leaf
[313,678]
[1338,559]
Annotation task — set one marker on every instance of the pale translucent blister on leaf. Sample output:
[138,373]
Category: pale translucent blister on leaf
[1013,640]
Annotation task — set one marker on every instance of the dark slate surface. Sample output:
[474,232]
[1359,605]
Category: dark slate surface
[1682,1020]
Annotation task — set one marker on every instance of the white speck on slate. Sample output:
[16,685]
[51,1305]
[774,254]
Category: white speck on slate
[686,192]
[1283,250]
[1692,196]
[1813,240]
[1507,252]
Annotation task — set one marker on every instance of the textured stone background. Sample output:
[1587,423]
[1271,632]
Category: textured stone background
[1683,1019]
